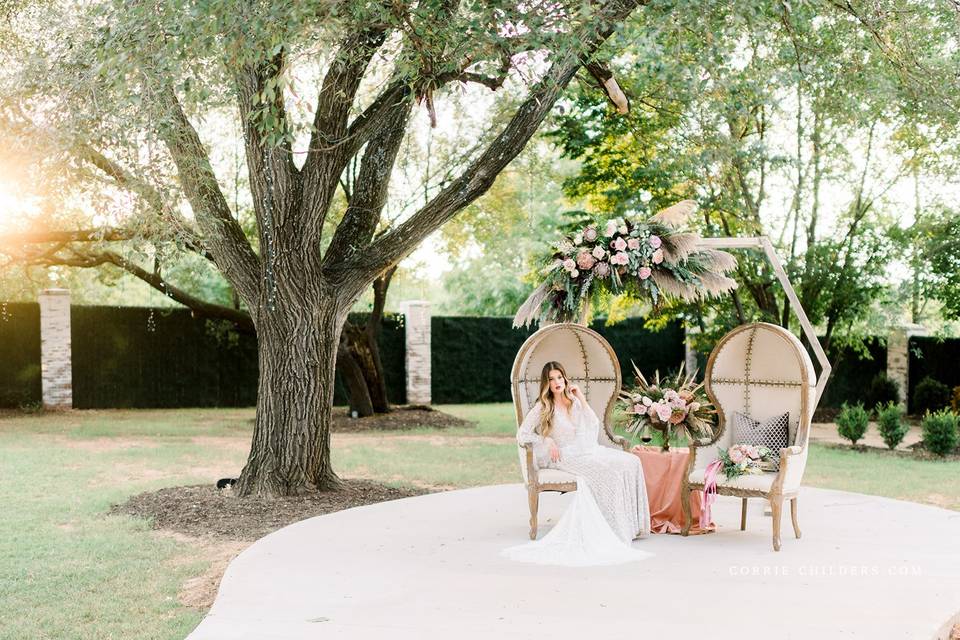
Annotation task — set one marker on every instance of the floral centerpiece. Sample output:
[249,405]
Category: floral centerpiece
[675,406]
[744,458]
[644,258]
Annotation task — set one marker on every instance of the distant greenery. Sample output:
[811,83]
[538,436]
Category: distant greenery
[930,395]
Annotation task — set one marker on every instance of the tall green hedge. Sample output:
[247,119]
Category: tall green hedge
[472,356]
[131,357]
[19,354]
[935,358]
[136,357]
[853,373]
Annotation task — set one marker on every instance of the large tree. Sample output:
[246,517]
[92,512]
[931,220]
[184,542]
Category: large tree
[126,90]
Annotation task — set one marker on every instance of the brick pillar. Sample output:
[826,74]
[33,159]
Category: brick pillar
[55,363]
[898,356]
[417,325]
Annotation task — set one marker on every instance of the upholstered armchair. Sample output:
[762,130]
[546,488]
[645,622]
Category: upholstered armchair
[760,370]
[591,363]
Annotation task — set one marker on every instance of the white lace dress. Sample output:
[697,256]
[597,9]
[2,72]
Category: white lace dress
[610,507]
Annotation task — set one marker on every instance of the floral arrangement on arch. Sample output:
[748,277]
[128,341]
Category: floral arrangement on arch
[675,406]
[647,259]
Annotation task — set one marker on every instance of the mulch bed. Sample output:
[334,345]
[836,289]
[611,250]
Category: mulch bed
[205,511]
[402,417]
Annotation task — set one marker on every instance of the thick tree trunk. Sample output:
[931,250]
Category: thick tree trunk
[290,452]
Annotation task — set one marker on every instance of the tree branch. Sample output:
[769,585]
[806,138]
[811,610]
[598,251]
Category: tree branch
[370,193]
[95,259]
[225,239]
[481,173]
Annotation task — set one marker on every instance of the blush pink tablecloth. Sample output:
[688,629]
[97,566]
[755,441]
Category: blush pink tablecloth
[663,472]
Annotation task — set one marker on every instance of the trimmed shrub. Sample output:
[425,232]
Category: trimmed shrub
[852,422]
[930,396]
[890,423]
[940,432]
[882,390]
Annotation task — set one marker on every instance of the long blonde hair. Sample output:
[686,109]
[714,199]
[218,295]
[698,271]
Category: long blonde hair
[546,396]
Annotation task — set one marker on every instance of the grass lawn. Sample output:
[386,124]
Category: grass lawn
[68,570]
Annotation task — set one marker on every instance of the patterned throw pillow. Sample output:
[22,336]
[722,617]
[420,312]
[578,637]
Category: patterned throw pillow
[773,433]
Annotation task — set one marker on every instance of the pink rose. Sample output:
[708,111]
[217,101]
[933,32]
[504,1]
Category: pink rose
[655,242]
[611,228]
[599,253]
[633,244]
[619,258]
[657,256]
[639,408]
[602,269]
[585,261]
[569,264]
[590,234]
[663,411]
[736,455]
[619,244]
[644,273]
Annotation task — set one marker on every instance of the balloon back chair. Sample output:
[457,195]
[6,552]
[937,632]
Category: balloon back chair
[590,362]
[762,371]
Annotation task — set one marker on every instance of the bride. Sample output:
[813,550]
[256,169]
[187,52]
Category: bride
[610,507]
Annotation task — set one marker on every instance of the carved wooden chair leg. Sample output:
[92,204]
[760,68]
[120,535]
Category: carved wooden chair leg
[776,506]
[534,496]
[743,514]
[793,516]
[687,512]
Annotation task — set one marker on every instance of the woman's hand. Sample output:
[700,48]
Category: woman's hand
[575,391]
[554,450]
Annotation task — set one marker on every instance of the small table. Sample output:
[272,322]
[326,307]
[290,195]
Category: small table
[663,473]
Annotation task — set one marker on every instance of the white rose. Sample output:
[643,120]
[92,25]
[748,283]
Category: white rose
[578,239]
[574,273]
[623,229]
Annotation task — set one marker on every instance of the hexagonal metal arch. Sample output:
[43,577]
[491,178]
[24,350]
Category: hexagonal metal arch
[763,244]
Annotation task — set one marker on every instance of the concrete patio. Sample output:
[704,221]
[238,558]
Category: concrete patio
[428,567]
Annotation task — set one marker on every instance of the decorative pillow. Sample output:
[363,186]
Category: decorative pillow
[773,433]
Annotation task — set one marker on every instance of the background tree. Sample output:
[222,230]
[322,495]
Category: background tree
[789,121]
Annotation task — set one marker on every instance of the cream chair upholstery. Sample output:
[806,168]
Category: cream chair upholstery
[761,370]
[591,363]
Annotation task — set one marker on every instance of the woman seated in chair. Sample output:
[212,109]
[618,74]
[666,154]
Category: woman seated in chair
[564,431]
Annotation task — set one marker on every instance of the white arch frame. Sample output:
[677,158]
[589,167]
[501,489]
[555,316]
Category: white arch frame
[762,243]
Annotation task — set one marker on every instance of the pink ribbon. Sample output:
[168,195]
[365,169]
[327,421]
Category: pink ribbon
[709,491]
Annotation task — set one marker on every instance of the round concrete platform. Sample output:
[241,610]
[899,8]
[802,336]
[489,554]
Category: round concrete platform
[428,567]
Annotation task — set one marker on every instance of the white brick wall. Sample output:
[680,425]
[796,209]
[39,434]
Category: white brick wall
[55,361]
[417,327]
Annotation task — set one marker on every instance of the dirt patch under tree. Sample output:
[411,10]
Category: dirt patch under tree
[402,417]
[204,511]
